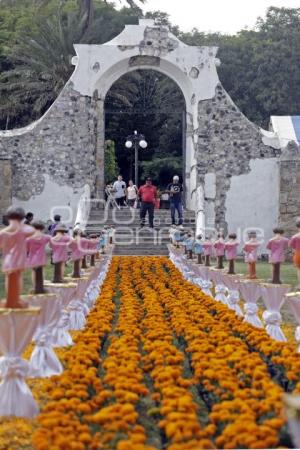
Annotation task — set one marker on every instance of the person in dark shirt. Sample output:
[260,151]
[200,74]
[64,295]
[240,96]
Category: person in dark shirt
[175,190]
[51,228]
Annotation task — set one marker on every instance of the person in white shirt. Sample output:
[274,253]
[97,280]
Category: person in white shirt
[132,192]
[119,189]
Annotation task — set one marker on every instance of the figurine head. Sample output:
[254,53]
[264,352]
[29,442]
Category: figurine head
[60,229]
[120,178]
[252,234]
[176,179]
[76,232]
[278,230]
[57,218]
[199,236]
[15,213]
[29,217]
[38,225]
[232,236]
[220,236]
[298,223]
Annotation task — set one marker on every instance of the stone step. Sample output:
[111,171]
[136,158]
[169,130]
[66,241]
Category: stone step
[125,213]
[140,251]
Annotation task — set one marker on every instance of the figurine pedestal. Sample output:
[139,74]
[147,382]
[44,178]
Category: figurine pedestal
[274,297]
[64,292]
[17,327]
[77,307]
[44,361]
[293,301]
[233,298]
[292,409]
[251,292]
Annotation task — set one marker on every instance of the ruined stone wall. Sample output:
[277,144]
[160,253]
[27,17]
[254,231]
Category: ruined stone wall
[227,142]
[289,196]
[5,184]
[62,145]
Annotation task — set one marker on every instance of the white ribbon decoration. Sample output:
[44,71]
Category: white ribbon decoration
[61,336]
[206,288]
[15,396]
[274,297]
[220,294]
[251,291]
[233,300]
[297,337]
[77,318]
[251,310]
[273,321]
[44,361]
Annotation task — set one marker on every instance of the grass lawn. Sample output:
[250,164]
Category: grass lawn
[264,272]
[288,275]
[48,275]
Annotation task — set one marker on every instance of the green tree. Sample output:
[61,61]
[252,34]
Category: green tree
[154,106]
[37,66]
[260,68]
[111,168]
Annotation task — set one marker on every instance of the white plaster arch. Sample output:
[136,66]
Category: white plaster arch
[118,70]
[193,69]
[121,68]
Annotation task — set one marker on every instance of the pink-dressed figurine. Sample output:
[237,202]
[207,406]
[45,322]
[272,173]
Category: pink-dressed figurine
[250,249]
[13,248]
[295,245]
[231,247]
[219,247]
[59,244]
[207,250]
[277,245]
[76,253]
[36,256]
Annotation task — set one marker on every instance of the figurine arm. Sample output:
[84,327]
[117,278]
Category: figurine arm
[269,245]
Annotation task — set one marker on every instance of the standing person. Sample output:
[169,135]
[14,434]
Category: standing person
[53,226]
[131,194]
[175,190]
[148,195]
[119,189]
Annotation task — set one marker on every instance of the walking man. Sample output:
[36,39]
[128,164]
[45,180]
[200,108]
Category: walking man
[119,189]
[175,190]
[148,195]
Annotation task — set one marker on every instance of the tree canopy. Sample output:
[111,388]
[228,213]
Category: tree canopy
[260,69]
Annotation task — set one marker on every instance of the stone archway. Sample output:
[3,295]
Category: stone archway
[153,104]
[53,158]
[149,47]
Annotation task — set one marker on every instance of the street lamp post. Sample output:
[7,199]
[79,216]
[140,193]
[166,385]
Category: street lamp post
[137,140]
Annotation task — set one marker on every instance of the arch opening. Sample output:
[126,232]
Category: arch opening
[153,104]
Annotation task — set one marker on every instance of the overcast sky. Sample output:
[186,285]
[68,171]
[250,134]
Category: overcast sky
[227,16]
